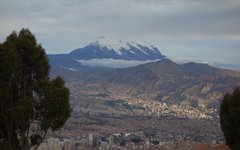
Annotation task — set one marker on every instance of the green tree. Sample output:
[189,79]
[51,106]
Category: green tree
[230,119]
[31,103]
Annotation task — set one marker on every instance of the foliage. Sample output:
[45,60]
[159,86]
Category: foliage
[30,103]
[229,118]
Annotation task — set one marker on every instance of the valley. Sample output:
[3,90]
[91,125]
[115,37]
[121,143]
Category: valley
[147,104]
[120,75]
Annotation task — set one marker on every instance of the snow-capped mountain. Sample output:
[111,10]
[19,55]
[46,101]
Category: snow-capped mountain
[106,48]
[106,53]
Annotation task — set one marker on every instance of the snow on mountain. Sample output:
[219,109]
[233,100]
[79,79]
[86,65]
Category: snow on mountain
[107,48]
[117,46]
[111,45]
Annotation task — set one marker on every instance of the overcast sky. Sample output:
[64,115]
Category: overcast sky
[191,30]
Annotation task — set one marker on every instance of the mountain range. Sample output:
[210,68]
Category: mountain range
[192,84]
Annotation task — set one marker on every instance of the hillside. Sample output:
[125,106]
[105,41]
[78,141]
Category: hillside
[192,84]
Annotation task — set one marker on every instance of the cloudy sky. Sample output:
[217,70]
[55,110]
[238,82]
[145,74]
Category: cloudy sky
[185,30]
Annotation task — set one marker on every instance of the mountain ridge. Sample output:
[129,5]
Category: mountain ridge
[164,81]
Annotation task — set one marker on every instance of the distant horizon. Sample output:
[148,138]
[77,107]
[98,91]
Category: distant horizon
[180,61]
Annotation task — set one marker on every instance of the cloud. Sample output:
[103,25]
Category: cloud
[113,63]
[119,17]
[176,26]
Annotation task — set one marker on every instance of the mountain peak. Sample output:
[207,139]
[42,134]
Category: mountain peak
[117,44]
[109,44]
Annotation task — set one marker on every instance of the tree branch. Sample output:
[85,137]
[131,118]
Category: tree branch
[43,137]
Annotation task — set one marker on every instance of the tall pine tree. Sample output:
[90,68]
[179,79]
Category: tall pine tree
[229,118]
[30,103]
